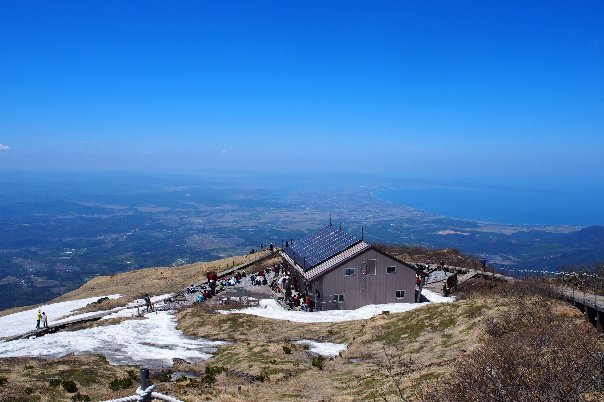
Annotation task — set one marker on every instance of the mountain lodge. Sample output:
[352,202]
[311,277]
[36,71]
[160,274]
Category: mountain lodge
[344,273]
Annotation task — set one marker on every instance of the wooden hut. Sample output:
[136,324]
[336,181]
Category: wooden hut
[342,272]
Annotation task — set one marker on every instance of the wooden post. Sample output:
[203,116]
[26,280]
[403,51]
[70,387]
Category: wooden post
[145,383]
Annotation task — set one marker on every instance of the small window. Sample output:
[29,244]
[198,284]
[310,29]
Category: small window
[371,264]
[400,294]
[390,270]
[338,298]
[349,271]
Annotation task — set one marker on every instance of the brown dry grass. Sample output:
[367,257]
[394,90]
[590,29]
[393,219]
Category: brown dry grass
[434,337]
[154,281]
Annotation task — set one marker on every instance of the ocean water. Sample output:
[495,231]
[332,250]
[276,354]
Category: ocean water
[568,205]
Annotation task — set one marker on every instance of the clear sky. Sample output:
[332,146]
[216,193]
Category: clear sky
[509,89]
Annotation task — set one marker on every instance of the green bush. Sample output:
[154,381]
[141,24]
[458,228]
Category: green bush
[164,376]
[133,375]
[54,382]
[264,376]
[287,349]
[120,383]
[69,386]
[3,381]
[211,372]
[80,397]
[318,362]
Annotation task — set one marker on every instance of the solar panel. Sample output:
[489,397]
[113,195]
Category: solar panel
[320,246]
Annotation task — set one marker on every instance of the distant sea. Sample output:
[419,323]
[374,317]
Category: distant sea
[562,206]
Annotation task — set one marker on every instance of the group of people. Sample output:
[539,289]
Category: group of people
[293,296]
[259,278]
[41,319]
[214,285]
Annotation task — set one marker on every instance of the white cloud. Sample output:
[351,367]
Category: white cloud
[4,147]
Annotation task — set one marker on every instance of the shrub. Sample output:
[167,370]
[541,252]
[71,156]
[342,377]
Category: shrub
[516,289]
[164,376]
[287,349]
[133,375]
[69,386]
[3,381]
[211,372]
[120,383]
[264,376]
[318,362]
[54,382]
[80,397]
[548,361]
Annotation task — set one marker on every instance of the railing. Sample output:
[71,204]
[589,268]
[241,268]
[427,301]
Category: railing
[146,392]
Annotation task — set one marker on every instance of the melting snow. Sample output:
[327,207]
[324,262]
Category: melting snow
[25,321]
[269,308]
[326,349]
[153,341]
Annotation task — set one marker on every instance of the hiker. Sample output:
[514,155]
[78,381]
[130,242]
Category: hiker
[199,298]
[38,319]
[148,303]
[44,320]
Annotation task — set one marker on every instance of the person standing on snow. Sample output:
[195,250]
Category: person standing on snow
[38,319]
[44,320]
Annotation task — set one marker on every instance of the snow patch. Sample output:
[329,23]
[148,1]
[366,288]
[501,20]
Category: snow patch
[25,321]
[153,341]
[325,349]
[269,308]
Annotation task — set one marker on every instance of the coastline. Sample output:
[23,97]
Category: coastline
[485,225]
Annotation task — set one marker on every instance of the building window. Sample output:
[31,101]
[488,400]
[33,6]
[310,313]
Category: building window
[349,271]
[400,294]
[371,264]
[390,270]
[338,298]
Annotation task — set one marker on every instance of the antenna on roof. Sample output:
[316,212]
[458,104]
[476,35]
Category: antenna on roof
[362,232]
[329,220]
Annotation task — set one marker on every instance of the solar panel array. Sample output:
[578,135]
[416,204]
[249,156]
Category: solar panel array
[320,246]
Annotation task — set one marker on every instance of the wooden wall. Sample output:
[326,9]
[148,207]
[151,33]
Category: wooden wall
[361,288]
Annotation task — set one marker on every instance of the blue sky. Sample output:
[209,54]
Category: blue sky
[507,90]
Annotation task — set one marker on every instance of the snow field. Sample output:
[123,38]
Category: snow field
[325,349]
[151,342]
[154,341]
[25,321]
[269,308]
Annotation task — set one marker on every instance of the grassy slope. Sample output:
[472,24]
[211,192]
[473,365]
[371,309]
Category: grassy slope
[434,337]
[155,281]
